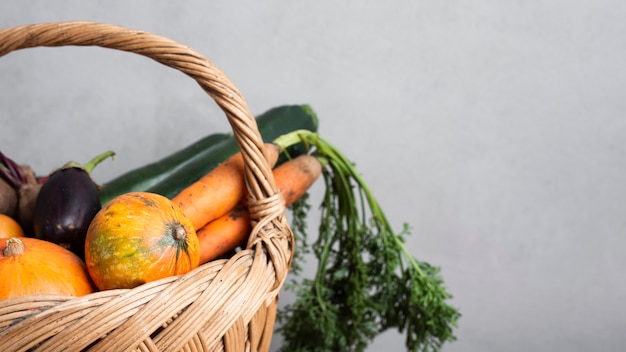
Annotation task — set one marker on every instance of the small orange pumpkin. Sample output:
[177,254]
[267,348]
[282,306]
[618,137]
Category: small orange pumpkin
[139,237]
[9,227]
[29,266]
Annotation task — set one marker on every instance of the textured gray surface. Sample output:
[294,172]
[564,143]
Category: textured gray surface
[495,128]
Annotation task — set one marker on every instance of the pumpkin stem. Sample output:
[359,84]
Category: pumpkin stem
[14,247]
[179,232]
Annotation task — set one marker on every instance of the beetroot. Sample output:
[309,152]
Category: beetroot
[8,199]
[18,190]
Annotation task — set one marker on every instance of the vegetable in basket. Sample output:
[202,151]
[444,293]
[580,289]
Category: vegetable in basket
[9,227]
[366,280]
[66,204]
[139,237]
[19,187]
[29,266]
[8,193]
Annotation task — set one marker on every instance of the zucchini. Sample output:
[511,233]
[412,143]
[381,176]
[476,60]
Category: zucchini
[144,177]
[173,173]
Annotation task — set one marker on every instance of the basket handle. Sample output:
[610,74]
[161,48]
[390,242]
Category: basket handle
[258,173]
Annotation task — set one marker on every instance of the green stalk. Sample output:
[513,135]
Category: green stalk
[329,152]
[91,164]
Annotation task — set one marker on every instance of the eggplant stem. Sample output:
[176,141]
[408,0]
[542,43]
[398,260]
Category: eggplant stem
[91,164]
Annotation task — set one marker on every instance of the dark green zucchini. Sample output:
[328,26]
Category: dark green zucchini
[272,124]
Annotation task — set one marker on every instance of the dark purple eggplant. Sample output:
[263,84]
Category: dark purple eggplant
[67,202]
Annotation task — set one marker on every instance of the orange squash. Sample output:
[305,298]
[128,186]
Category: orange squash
[29,266]
[139,237]
[9,227]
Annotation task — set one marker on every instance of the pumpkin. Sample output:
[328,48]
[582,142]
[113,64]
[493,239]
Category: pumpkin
[9,227]
[30,266]
[139,237]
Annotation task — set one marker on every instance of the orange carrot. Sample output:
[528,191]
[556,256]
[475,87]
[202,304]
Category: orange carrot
[217,192]
[296,176]
[224,234]
[293,178]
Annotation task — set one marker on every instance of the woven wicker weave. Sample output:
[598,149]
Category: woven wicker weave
[224,305]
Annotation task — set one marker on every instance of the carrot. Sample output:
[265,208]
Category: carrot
[296,176]
[224,234]
[220,236]
[217,192]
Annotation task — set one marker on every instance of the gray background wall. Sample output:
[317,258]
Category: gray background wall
[496,128]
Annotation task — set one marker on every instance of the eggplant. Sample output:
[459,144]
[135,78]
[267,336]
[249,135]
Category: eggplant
[66,204]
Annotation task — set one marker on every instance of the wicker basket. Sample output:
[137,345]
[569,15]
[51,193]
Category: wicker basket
[224,305]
